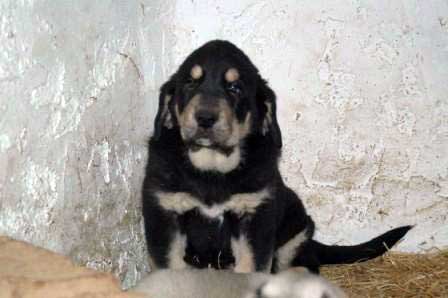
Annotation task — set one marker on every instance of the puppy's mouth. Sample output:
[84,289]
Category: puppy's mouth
[203,137]
[204,142]
[214,128]
[201,142]
[198,137]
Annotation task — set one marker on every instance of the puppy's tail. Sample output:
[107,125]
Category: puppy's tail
[335,254]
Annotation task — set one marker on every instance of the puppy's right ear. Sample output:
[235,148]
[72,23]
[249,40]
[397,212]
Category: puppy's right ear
[164,117]
[266,100]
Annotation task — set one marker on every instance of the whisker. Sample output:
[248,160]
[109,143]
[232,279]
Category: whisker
[219,260]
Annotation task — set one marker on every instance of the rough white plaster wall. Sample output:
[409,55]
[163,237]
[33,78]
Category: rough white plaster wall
[363,104]
[362,101]
[75,115]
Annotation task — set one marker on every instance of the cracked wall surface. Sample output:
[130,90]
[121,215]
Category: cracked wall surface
[78,82]
[362,98]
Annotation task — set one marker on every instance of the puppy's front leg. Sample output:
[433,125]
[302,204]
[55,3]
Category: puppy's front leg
[166,244]
[253,249]
[244,254]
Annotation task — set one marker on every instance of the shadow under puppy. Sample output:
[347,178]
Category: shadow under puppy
[210,283]
[213,195]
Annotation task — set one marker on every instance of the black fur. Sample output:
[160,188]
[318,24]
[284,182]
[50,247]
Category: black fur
[336,254]
[169,169]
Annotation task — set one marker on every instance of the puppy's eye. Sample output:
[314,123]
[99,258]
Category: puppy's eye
[234,88]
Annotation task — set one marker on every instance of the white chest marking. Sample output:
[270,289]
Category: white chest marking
[241,204]
[207,159]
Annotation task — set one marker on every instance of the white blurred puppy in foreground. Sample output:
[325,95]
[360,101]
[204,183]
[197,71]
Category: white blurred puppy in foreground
[210,283]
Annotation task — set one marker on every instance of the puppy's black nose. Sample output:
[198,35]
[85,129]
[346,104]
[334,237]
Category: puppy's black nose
[206,119]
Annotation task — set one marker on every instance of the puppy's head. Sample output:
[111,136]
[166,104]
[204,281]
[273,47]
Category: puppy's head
[217,98]
[210,112]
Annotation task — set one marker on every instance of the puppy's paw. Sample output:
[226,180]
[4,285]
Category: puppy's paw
[293,284]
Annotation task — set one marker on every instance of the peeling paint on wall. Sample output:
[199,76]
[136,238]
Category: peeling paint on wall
[73,129]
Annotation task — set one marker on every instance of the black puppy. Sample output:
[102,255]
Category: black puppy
[213,195]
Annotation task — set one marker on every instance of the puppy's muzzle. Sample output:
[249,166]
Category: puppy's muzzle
[206,119]
[206,132]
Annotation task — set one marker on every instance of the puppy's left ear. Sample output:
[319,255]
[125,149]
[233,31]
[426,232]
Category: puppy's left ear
[164,117]
[266,105]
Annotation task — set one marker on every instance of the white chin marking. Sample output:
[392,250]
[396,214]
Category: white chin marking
[206,159]
[204,142]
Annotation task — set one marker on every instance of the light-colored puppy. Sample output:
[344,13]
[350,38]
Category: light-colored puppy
[209,283]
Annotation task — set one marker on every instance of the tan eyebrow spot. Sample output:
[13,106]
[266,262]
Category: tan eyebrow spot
[232,75]
[196,72]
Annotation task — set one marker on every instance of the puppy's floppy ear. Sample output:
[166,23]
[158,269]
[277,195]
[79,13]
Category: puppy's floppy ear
[268,110]
[164,117]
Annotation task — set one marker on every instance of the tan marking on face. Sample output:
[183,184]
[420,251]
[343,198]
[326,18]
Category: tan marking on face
[268,118]
[166,113]
[227,130]
[223,125]
[232,75]
[226,110]
[196,72]
[186,118]
[190,110]
[239,130]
